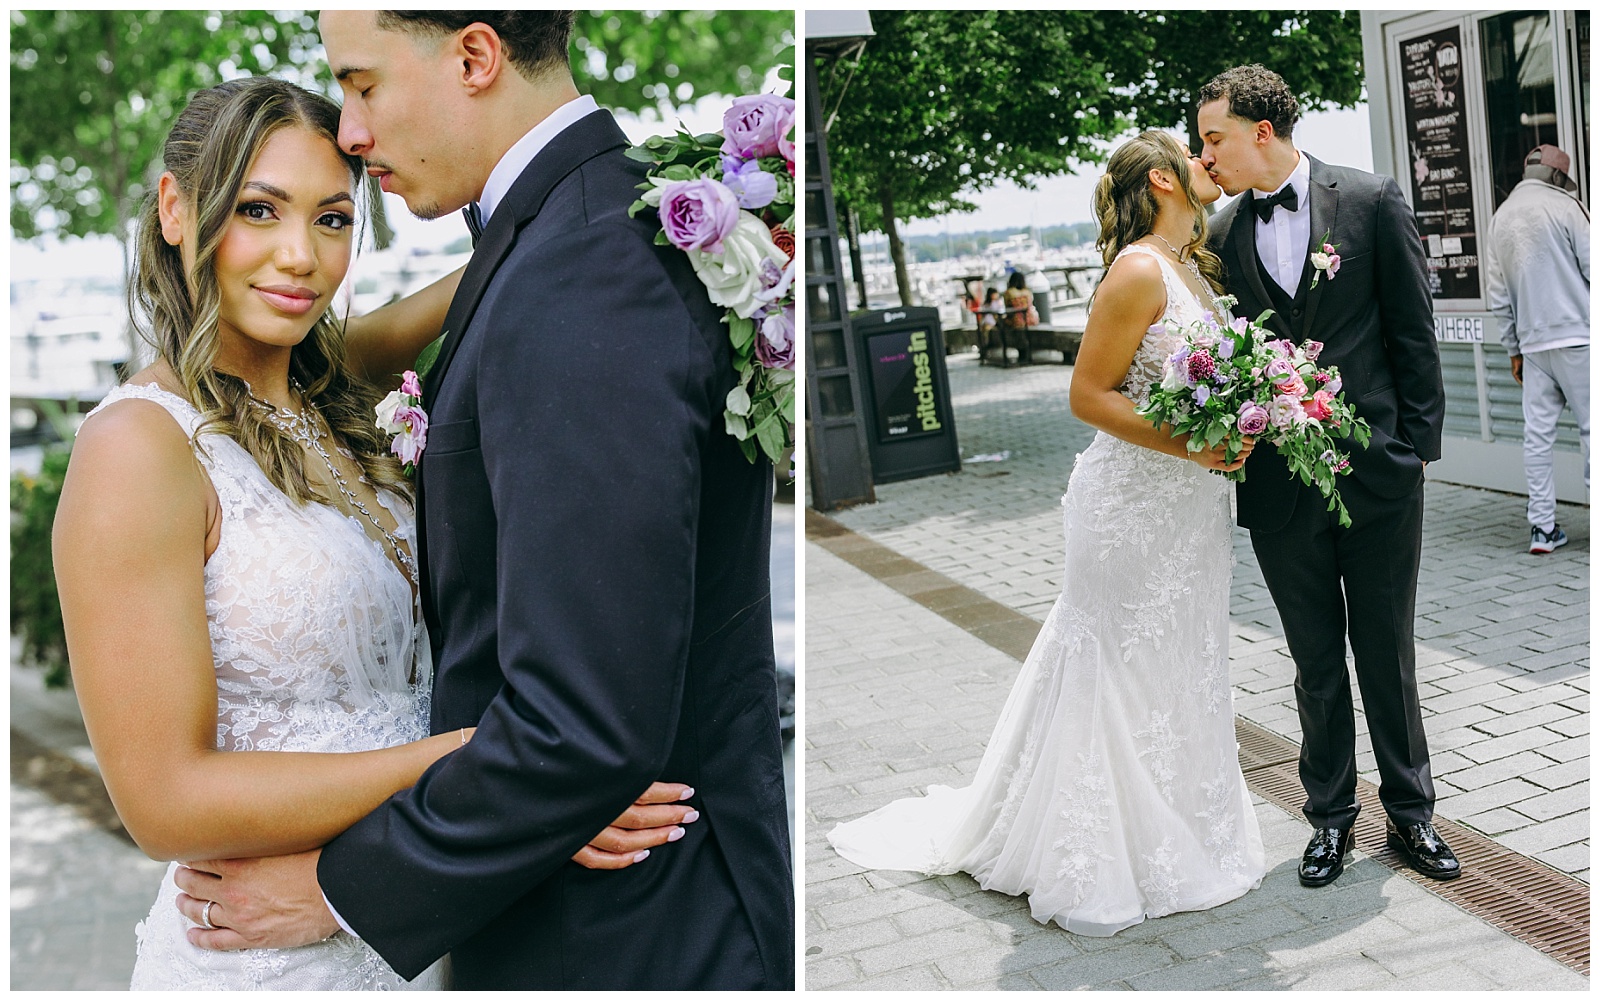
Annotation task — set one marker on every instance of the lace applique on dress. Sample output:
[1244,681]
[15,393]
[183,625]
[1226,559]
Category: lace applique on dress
[315,641]
[1114,765]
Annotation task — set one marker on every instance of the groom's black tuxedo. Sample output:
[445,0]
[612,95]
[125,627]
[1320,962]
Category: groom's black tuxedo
[595,552]
[1375,320]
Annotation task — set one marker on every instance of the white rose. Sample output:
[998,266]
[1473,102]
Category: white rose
[386,422]
[1321,261]
[733,277]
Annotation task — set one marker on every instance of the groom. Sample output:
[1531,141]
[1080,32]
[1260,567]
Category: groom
[595,554]
[1374,316]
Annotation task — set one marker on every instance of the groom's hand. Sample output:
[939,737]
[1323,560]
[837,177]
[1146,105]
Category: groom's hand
[653,819]
[259,903]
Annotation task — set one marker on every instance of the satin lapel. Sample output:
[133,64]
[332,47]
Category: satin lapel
[581,142]
[1243,238]
[1324,219]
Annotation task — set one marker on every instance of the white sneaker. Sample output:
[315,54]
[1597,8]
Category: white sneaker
[1546,542]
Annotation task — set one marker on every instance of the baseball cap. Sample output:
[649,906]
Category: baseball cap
[1550,156]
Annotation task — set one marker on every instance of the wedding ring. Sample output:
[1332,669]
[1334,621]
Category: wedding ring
[205,914]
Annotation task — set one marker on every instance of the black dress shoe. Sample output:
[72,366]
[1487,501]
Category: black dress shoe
[1424,849]
[1324,857]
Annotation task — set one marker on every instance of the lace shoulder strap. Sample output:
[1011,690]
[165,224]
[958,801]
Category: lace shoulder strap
[181,410]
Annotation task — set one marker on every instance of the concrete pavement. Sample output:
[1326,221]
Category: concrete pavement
[898,698]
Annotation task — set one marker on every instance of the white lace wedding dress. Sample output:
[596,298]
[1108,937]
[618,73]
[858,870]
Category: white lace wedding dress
[317,648]
[1110,791]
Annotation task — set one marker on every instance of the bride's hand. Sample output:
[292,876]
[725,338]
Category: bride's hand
[653,819]
[1216,458]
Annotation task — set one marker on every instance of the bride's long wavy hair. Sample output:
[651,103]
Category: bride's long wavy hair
[1126,208]
[209,152]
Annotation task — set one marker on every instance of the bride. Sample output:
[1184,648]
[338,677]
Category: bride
[233,545]
[1110,791]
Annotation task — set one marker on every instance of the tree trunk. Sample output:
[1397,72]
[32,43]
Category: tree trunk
[853,239]
[897,250]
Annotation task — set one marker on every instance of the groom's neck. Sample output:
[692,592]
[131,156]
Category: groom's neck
[1281,160]
[508,116]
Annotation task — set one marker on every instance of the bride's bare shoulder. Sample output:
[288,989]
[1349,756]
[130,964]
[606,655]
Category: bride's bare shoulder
[1135,280]
[132,450]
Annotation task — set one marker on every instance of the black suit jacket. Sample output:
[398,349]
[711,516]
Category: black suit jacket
[1375,320]
[596,557]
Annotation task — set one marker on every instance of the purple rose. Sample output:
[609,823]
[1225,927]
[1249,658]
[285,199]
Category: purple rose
[775,345]
[698,214]
[757,126]
[1252,418]
[1280,370]
[754,187]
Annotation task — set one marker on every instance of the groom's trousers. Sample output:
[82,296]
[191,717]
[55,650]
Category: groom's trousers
[1329,582]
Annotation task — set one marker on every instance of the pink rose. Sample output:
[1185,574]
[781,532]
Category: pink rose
[1320,406]
[409,384]
[1253,418]
[1293,386]
[408,444]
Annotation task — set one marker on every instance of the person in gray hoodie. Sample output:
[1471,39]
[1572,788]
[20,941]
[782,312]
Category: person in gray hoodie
[1537,264]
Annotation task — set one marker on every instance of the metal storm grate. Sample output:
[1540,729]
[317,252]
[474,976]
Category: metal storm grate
[1524,898]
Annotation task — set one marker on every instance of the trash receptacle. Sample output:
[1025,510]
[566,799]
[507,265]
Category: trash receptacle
[1039,285]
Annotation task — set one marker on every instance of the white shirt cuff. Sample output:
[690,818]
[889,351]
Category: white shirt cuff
[342,923]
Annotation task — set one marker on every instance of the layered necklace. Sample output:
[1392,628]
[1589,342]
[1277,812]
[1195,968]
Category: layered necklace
[307,428]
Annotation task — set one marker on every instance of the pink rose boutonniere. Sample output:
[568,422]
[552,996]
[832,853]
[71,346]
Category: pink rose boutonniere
[401,414]
[1325,261]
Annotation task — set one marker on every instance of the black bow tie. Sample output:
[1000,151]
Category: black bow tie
[474,217]
[1289,198]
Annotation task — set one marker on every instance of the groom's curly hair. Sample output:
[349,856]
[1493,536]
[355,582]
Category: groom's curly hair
[535,40]
[1255,94]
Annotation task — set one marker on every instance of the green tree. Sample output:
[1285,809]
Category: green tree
[947,103]
[944,104]
[655,60]
[1317,52]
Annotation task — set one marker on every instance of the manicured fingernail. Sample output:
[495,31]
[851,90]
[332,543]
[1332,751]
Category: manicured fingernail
[686,794]
[691,817]
[641,856]
[677,832]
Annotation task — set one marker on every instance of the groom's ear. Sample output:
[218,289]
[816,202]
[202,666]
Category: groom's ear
[1265,133]
[482,57]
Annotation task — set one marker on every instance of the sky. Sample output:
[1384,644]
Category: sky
[1342,137]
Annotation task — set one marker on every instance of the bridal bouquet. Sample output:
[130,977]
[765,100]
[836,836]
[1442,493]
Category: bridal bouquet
[1232,380]
[727,200]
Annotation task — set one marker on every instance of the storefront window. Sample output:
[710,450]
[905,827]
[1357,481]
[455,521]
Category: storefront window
[1519,83]
[1582,30]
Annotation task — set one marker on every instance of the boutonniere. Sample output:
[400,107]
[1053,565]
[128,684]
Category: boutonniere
[401,415]
[1326,261]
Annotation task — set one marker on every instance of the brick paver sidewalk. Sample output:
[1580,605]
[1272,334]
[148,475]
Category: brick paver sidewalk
[898,698]
[1503,636]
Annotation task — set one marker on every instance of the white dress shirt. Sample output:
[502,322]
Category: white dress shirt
[517,158]
[505,174]
[1284,241]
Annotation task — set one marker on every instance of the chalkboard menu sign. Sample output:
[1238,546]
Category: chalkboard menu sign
[1441,173]
[903,385]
